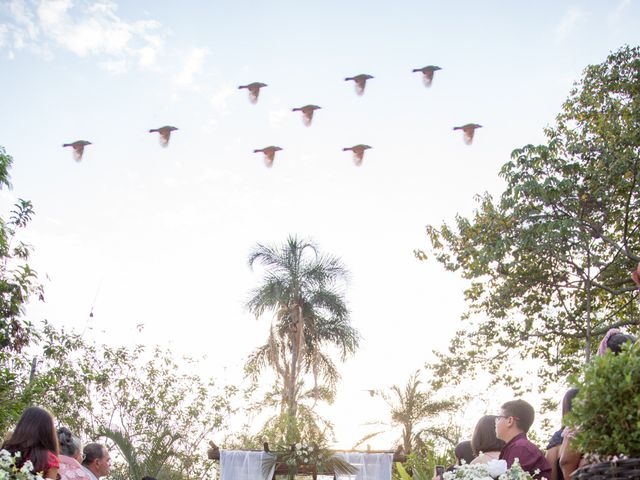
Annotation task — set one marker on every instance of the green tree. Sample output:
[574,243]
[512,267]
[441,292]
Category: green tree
[157,416]
[416,412]
[300,287]
[548,262]
[18,283]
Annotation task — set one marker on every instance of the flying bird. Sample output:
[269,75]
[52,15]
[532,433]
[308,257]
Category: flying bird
[307,113]
[165,134]
[427,73]
[254,90]
[269,154]
[468,130]
[361,82]
[78,148]
[358,152]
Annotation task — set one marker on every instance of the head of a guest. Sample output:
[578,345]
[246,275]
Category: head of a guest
[484,436]
[613,341]
[70,445]
[463,452]
[34,436]
[567,400]
[97,459]
[617,340]
[515,417]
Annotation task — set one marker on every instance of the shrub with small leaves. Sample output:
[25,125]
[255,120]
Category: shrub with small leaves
[606,411]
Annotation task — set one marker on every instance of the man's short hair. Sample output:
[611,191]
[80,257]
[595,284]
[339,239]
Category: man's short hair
[522,412]
[92,451]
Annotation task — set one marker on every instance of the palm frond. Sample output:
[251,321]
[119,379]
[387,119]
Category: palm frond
[269,461]
[339,466]
[126,448]
[368,436]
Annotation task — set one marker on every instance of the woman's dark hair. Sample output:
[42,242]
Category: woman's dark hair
[34,437]
[69,445]
[568,400]
[617,340]
[484,436]
[92,451]
[464,452]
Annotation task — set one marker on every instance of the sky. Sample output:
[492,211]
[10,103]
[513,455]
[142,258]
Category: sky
[160,237]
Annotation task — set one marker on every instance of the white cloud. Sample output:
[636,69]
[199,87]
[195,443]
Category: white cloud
[85,29]
[570,22]
[191,68]
[115,67]
[615,15]
[52,13]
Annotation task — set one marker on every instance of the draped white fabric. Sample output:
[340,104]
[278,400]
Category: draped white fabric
[240,465]
[371,466]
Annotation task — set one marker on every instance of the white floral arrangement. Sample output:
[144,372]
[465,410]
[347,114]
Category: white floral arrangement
[9,470]
[301,453]
[301,456]
[495,469]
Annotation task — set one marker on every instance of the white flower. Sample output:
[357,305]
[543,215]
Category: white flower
[298,446]
[496,468]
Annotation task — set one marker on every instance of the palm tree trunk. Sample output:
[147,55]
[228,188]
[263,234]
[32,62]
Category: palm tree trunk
[296,347]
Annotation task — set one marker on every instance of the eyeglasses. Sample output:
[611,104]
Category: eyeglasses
[498,417]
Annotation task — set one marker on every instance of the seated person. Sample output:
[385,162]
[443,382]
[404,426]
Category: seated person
[512,425]
[613,341]
[485,445]
[555,444]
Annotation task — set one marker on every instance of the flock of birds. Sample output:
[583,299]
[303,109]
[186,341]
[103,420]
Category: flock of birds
[360,82]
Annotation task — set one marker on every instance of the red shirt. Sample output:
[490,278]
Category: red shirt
[530,456]
[52,460]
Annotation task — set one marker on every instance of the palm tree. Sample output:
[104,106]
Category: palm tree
[411,408]
[300,286]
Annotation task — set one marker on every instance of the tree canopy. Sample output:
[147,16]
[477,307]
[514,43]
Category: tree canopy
[548,261]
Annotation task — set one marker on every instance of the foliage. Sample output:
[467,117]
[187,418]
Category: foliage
[33,376]
[421,463]
[414,410]
[548,261]
[606,411]
[17,280]
[306,424]
[6,161]
[304,457]
[18,283]
[300,287]
[156,416]
[416,473]
[10,471]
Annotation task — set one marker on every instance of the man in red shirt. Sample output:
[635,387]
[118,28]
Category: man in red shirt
[512,425]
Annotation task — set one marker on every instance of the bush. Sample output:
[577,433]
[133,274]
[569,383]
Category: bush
[607,408]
